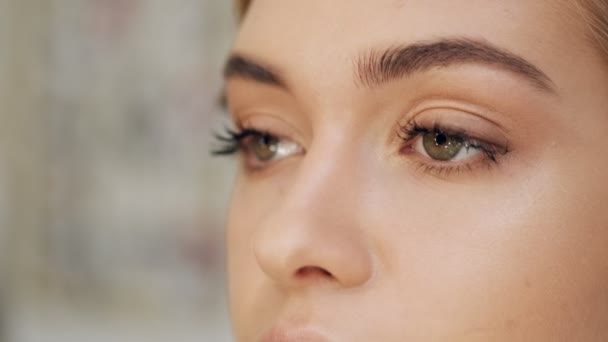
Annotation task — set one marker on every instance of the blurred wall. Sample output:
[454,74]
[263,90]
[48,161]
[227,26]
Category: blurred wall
[111,210]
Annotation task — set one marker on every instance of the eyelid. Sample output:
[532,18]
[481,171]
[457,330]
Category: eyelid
[460,121]
[274,123]
[415,131]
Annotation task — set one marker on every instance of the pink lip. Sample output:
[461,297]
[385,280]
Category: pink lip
[283,334]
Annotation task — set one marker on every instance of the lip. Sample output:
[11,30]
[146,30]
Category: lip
[286,334]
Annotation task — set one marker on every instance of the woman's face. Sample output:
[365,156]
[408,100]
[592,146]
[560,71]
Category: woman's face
[418,171]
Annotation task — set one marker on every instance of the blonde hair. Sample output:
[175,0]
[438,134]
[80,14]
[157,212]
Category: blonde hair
[594,13]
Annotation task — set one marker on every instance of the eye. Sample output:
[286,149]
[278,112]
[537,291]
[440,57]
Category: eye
[442,146]
[258,148]
[442,151]
[264,147]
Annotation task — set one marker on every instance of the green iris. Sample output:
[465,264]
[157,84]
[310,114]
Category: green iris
[442,146]
[265,147]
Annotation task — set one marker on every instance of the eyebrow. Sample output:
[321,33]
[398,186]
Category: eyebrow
[377,67]
[241,66]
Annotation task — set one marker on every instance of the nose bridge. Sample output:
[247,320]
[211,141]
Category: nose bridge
[315,225]
[330,173]
[329,180]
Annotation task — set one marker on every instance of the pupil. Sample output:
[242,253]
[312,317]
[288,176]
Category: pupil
[441,139]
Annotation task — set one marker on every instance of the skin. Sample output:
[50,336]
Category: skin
[358,239]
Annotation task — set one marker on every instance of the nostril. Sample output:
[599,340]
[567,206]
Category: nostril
[313,272]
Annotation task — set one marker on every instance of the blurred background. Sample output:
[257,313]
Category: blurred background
[111,209]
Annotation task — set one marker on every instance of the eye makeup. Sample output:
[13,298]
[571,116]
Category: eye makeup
[443,141]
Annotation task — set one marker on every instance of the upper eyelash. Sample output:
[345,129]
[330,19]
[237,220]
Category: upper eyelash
[413,130]
[231,140]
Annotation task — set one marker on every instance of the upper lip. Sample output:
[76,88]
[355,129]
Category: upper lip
[293,334]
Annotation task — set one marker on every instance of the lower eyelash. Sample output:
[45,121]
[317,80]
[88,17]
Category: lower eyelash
[447,170]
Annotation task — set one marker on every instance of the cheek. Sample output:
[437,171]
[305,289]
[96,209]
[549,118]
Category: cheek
[521,254]
[240,262]
[526,249]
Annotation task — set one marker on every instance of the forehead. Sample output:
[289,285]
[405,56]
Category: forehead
[321,23]
[315,30]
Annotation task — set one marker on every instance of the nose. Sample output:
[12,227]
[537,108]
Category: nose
[313,235]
